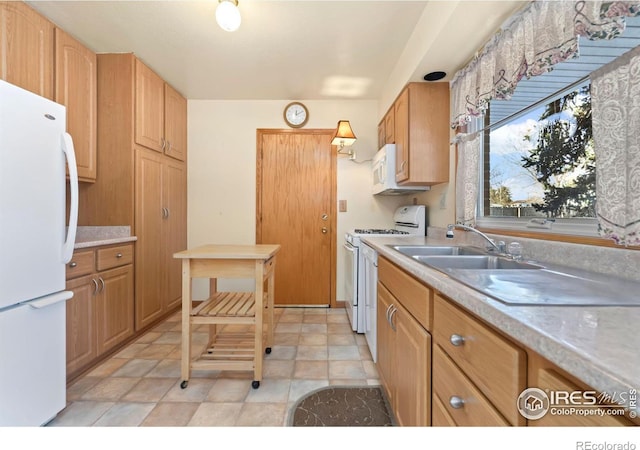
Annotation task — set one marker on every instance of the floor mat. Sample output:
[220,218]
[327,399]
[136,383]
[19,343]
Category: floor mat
[337,406]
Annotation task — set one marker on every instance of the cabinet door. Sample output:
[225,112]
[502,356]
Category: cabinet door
[389,127]
[81,338]
[149,108]
[381,135]
[26,48]
[401,127]
[76,88]
[149,215]
[175,228]
[114,307]
[413,377]
[386,342]
[175,124]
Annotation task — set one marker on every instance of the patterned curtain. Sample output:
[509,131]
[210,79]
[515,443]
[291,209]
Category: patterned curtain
[541,35]
[615,105]
[467,183]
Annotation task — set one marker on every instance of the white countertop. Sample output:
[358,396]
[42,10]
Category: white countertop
[600,345]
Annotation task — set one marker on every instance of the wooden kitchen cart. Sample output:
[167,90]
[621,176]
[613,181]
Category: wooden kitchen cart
[229,350]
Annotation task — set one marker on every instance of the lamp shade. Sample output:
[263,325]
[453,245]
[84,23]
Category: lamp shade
[344,134]
[228,15]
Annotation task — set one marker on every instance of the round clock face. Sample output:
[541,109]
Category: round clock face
[296,114]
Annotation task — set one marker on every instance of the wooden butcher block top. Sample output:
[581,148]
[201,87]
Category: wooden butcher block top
[222,251]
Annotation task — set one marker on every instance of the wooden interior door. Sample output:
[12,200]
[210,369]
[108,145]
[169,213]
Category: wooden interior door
[296,209]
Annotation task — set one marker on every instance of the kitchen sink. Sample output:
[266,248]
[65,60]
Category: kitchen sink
[433,250]
[474,262]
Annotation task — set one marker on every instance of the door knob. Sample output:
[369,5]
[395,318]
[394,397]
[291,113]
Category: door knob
[325,217]
[324,230]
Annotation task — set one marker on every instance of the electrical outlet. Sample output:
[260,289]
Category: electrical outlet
[342,205]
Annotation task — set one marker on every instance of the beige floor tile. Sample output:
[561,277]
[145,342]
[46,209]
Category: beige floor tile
[349,382]
[346,370]
[125,415]
[314,318]
[313,339]
[216,415]
[287,327]
[170,415]
[149,390]
[167,325]
[136,368]
[110,389]
[148,337]
[81,414]
[156,351]
[196,391]
[312,352]
[341,339]
[314,328]
[262,415]
[226,390]
[80,386]
[131,351]
[169,337]
[291,318]
[365,353]
[283,352]
[315,311]
[344,352]
[337,318]
[344,328]
[167,368]
[286,338]
[370,369]
[291,311]
[271,390]
[278,368]
[108,367]
[312,370]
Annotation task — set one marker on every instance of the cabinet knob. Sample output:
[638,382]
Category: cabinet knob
[456,340]
[456,402]
[118,255]
[73,264]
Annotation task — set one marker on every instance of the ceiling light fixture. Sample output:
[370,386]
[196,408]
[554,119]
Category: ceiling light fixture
[228,15]
[344,137]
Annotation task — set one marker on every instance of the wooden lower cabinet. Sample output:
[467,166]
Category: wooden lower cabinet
[404,359]
[100,314]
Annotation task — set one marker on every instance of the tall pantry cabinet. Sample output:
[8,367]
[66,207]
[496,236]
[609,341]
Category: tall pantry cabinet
[141,180]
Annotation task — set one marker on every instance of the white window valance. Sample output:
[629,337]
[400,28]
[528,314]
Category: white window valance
[542,34]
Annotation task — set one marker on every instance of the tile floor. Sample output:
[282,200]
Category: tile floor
[140,385]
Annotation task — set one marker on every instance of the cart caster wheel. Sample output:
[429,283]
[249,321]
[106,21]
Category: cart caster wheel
[255,384]
[267,350]
[184,383]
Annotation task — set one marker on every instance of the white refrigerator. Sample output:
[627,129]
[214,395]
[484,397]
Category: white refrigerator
[35,245]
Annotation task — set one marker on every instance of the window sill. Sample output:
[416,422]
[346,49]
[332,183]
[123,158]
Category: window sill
[578,231]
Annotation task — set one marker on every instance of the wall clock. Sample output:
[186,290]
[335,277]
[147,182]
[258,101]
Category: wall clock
[296,114]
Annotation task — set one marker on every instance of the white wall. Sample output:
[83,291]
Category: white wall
[222,172]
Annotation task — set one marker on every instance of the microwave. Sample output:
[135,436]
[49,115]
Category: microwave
[384,174]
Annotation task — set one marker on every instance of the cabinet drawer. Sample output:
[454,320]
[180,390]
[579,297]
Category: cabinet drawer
[440,415]
[550,380]
[450,384]
[414,296]
[114,256]
[82,263]
[495,365]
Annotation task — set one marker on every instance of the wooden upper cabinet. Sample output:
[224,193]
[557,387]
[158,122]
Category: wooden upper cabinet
[389,127]
[26,48]
[421,125]
[161,115]
[76,88]
[175,123]
[149,108]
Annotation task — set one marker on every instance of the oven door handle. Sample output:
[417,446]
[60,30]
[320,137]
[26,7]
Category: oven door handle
[350,248]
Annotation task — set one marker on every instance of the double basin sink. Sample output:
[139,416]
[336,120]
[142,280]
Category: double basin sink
[523,283]
[460,257]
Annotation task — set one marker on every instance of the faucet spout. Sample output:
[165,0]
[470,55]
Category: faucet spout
[451,226]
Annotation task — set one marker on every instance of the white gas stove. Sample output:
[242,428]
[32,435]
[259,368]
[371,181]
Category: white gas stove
[361,266]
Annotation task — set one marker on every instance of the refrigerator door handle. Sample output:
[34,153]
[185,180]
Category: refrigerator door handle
[52,299]
[67,149]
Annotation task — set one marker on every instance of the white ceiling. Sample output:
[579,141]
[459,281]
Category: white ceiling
[285,49]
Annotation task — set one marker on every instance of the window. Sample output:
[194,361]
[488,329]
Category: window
[540,162]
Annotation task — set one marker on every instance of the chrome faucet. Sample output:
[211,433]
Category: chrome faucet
[500,247]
